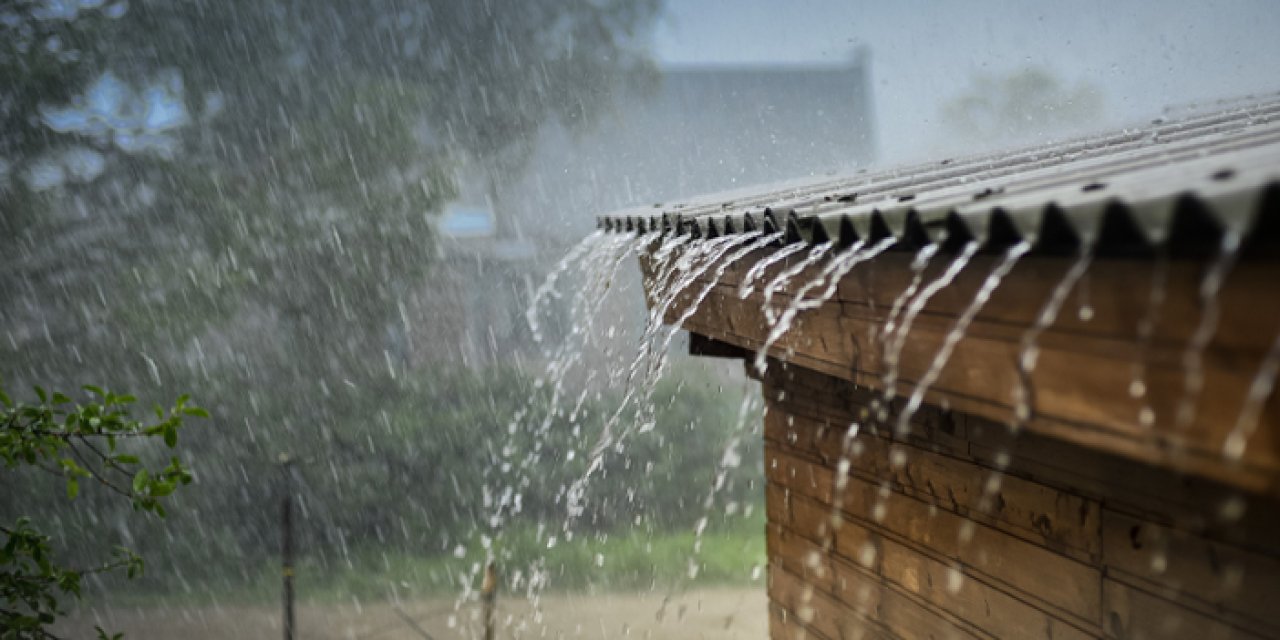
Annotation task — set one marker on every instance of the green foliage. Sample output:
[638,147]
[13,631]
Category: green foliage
[77,441]
[729,552]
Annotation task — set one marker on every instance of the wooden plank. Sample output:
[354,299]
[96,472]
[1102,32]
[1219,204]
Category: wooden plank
[937,583]
[784,625]
[1038,513]
[1093,410]
[819,611]
[1152,493]
[857,597]
[968,598]
[1116,289]
[1133,614]
[1043,515]
[801,556]
[777,504]
[1241,586]
[903,615]
[1096,410]
[1059,582]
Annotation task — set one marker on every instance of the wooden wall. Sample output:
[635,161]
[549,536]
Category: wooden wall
[964,530]
[845,338]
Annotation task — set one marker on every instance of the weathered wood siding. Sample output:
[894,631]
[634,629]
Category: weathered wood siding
[964,530]
[1080,388]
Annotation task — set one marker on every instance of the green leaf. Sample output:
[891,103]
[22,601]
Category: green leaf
[127,459]
[44,397]
[94,390]
[171,436]
[4,397]
[140,480]
[196,411]
[73,488]
[60,398]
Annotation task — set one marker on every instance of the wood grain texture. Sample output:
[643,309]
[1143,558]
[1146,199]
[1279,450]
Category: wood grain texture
[1080,389]
[1067,542]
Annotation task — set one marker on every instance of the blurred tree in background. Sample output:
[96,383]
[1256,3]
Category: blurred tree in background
[1020,106]
[237,197]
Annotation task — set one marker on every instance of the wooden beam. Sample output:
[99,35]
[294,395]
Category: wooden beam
[1088,360]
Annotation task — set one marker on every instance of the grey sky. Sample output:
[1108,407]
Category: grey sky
[1141,54]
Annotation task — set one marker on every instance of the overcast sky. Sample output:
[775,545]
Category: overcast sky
[1142,55]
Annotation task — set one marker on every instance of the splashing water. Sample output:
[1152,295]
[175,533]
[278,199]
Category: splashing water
[785,276]
[598,257]
[758,269]
[730,459]
[831,275]
[1029,351]
[1264,382]
[918,266]
[958,330]
[1193,355]
[893,358]
[749,242]
[760,241]
[651,356]
[548,288]
[685,270]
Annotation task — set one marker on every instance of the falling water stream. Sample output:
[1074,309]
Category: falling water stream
[597,258]
[749,279]
[753,240]
[1146,331]
[679,262]
[958,330]
[830,276]
[1029,350]
[898,341]
[784,277]
[651,357]
[685,269]
[1193,355]
[1264,382]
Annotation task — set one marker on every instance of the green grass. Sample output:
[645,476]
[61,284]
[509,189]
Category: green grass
[730,553]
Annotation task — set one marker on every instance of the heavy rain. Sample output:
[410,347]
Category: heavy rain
[631,318]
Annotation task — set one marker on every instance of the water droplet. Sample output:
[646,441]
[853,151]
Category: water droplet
[805,614]
[1232,509]
[898,459]
[879,511]
[955,580]
[1159,563]
[813,560]
[1147,417]
[1137,389]
[867,554]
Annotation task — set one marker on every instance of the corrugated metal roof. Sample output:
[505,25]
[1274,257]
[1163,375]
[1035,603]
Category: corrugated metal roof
[1179,185]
